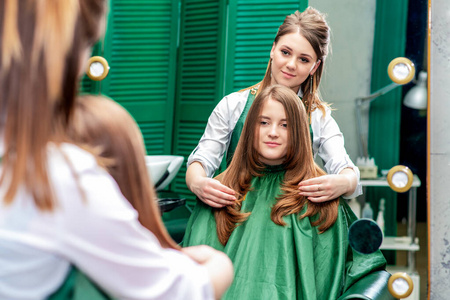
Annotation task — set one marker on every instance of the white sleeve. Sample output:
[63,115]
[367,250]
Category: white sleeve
[216,138]
[328,143]
[103,237]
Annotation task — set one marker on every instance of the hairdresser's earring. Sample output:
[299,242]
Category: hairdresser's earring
[311,85]
[271,61]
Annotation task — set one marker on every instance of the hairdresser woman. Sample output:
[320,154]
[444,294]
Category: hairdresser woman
[60,213]
[297,59]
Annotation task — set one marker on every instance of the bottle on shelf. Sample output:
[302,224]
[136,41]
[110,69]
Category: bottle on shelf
[367,211]
[380,216]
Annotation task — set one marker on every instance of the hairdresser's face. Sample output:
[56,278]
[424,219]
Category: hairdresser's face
[293,60]
[271,143]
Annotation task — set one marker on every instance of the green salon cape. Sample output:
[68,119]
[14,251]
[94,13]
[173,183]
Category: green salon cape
[77,286]
[284,262]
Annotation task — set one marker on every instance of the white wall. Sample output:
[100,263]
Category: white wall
[439,150]
[348,68]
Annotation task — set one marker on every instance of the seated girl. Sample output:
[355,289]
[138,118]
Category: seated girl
[282,245]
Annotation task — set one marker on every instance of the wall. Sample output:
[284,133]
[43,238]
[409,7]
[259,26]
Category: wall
[349,67]
[439,150]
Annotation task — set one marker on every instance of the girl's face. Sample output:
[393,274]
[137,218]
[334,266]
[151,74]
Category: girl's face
[293,60]
[272,134]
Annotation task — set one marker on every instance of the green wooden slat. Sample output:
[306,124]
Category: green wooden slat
[140,46]
[140,110]
[189,133]
[153,137]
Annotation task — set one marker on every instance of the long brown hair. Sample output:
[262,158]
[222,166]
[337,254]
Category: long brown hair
[107,130]
[42,43]
[312,25]
[299,165]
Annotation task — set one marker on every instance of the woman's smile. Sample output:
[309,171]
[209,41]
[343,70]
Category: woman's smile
[288,75]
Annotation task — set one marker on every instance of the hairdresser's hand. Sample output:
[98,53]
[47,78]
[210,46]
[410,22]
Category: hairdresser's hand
[329,187]
[218,265]
[213,193]
[208,190]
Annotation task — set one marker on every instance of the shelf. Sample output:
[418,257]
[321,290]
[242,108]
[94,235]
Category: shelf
[400,243]
[381,181]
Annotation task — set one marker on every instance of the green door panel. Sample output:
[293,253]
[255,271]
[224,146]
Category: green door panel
[199,76]
[140,46]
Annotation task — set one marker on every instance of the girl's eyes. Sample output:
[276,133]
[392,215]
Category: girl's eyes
[285,52]
[284,125]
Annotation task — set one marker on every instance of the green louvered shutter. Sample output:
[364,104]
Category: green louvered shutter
[199,75]
[252,27]
[140,47]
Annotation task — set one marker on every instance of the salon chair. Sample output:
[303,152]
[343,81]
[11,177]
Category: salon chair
[175,214]
[374,286]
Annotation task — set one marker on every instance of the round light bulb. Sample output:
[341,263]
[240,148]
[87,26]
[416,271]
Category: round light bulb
[97,69]
[401,70]
[400,179]
[400,286]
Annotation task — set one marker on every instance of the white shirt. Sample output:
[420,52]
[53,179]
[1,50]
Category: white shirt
[101,236]
[328,141]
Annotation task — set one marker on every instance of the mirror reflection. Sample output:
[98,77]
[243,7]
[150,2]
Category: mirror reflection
[363,46]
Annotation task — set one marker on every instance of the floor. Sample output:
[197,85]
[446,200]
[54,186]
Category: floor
[421,255]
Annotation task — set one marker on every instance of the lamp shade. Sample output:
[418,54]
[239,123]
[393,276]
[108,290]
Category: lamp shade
[417,96]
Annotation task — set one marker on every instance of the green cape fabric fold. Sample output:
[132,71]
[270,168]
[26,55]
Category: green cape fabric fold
[284,262]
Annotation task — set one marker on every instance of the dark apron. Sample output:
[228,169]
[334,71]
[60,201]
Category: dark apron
[240,125]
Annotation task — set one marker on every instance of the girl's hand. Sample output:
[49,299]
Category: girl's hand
[329,187]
